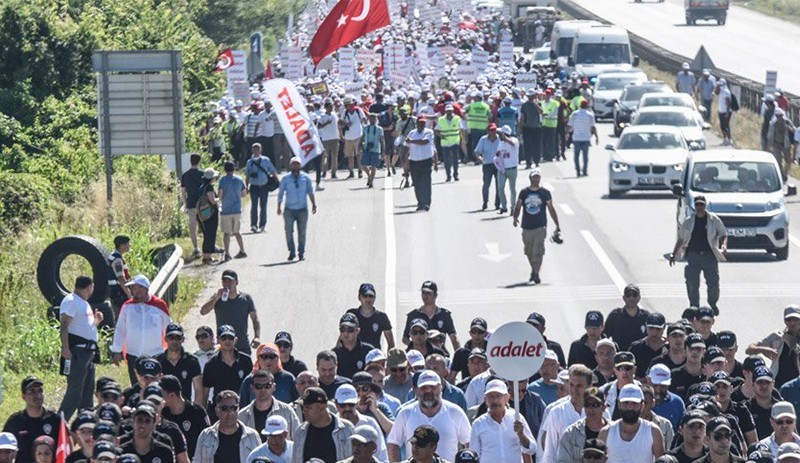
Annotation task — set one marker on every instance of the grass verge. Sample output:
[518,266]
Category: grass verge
[787,10]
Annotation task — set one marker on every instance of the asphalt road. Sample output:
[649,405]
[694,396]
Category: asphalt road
[748,45]
[476,257]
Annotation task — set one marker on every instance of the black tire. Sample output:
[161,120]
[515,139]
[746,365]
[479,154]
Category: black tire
[48,270]
[782,253]
[109,320]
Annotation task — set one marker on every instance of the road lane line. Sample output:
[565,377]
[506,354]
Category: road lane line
[605,261]
[549,186]
[794,240]
[391,249]
[567,210]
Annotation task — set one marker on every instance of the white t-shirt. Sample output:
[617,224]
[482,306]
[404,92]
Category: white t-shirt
[266,124]
[421,152]
[722,100]
[509,153]
[330,131]
[82,317]
[451,422]
[561,415]
[356,129]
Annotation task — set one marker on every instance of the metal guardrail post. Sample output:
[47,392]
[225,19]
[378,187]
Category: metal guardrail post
[165,284]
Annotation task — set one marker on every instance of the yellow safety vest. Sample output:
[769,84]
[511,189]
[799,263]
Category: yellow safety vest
[478,114]
[550,113]
[450,130]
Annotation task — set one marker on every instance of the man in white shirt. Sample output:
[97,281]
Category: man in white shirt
[724,98]
[563,413]
[265,131]
[352,121]
[582,126]
[421,155]
[328,129]
[448,419]
[497,435]
[78,345]
[506,161]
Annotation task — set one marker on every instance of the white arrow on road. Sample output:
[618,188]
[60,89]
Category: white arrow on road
[493,253]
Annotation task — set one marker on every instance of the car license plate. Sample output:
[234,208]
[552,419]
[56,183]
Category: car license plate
[651,180]
[740,232]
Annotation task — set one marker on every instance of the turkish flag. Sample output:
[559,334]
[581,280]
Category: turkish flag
[63,448]
[224,60]
[347,21]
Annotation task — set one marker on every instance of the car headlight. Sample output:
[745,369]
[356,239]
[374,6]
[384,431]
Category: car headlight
[678,167]
[774,205]
[619,167]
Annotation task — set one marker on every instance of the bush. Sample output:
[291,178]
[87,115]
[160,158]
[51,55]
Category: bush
[24,198]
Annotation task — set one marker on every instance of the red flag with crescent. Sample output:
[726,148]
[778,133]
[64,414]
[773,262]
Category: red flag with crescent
[224,60]
[347,21]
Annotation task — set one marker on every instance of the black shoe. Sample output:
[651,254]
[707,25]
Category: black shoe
[291,257]
[351,176]
[420,207]
[484,207]
[531,277]
[301,257]
[254,229]
[333,176]
[577,173]
[218,250]
[394,171]
[388,172]
[447,180]
[585,174]
[360,174]
[455,177]
[427,207]
[535,277]
[502,211]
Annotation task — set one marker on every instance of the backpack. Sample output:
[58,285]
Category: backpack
[205,210]
[734,103]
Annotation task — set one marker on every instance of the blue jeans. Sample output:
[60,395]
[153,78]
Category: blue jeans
[258,199]
[707,112]
[509,174]
[581,147]
[450,155]
[706,263]
[290,217]
[489,173]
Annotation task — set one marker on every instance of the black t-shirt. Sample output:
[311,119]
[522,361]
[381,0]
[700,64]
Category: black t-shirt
[222,377]
[236,312]
[76,456]
[159,453]
[644,355]
[787,366]
[591,434]
[741,415]
[667,360]
[319,443]
[228,449]
[330,389]
[599,379]
[579,352]
[260,418]
[351,362]
[191,180]
[624,329]
[699,240]
[761,417]
[461,358]
[187,368]
[27,429]
[126,435]
[377,108]
[294,366]
[372,328]
[682,380]
[711,340]
[678,453]
[174,432]
[534,207]
[191,423]
[442,321]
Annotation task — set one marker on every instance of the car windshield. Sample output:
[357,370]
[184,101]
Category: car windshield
[649,141]
[614,83]
[668,118]
[635,92]
[541,55]
[735,176]
[603,53]
[667,101]
[564,46]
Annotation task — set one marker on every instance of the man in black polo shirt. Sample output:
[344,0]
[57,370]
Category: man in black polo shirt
[143,444]
[373,322]
[285,345]
[327,365]
[627,323]
[674,356]
[190,418]
[726,340]
[650,346]
[33,421]
[692,430]
[718,435]
[438,318]
[184,366]
[233,307]
[350,351]
[760,405]
[582,350]
[746,389]
[538,321]
[478,330]
[227,369]
[692,371]
[722,383]
[703,323]
[147,371]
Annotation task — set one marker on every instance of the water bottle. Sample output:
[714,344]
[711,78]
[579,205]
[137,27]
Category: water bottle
[225,295]
[67,364]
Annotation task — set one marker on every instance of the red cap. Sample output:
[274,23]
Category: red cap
[420,118]
[584,103]
[492,126]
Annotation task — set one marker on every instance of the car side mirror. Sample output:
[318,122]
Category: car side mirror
[636,61]
[791,189]
[706,126]
[610,148]
[694,146]
[677,190]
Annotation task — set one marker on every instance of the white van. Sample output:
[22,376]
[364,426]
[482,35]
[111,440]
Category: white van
[597,49]
[561,38]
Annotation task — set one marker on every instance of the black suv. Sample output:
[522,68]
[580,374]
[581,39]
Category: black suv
[629,101]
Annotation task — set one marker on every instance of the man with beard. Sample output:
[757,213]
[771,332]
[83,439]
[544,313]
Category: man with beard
[667,404]
[564,412]
[424,446]
[430,409]
[632,439]
[497,435]
[346,400]
[722,383]
[572,442]
[718,436]
[693,429]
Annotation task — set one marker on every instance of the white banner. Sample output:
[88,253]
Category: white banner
[527,80]
[506,52]
[367,57]
[480,60]
[291,112]
[294,63]
[347,64]
[238,71]
[466,72]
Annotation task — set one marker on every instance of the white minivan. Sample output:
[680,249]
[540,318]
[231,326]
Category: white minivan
[603,48]
[561,38]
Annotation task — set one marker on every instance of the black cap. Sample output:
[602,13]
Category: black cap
[703,387]
[84,418]
[706,405]
[594,446]
[109,412]
[477,352]
[367,289]
[429,287]
[104,428]
[153,391]
[111,388]
[30,381]
[656,320]
[174,328]
[129,458]
[693,416]
[676,327]
[726,339]
[537,319]
[419,322]
[594,319]
[226,330]
[104,449]
[170,383]
[760,456]
[425,435]
[721,377]
[467,456]
[762,373]
[479,323]
[705,312]
[632,288]
[751,362]
[148,366]
[689,313]
[102,381]
[349,319]
[314,395]
[362,378]
[624,358]
[713,354]
[230,275]
[144,409]
[694,340]
[284,337]
[717,423]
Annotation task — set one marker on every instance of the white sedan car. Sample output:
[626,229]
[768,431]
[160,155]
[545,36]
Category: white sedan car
[688,120]
[646,158]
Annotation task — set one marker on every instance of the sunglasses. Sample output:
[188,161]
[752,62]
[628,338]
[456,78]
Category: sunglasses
[631,295]
[418,332]
[227,338]
[625,367]
[202,336]
[259,386]
[110,396]
[722,436]
[345,329]
[476,331]
[227,408]
[398,369]
[363,388]
[592,405]
[284,345]
[346,405]
[268,357]
[418,445]
[784,422]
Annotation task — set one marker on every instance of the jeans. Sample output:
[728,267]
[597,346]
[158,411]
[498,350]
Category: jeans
[509,174]
[258,199]
[581,147]
[489,173]
[130,360]
[290,217]
[725,124]
[80,382]
[421,177]
[450,155]
[707,112]
[474,137]
[707,263]
[549,143]
[532,145]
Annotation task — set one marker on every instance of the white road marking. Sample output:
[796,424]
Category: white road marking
[493,253]
[794,240]
[549,186]
[391,249]
[567,210]
[605,261]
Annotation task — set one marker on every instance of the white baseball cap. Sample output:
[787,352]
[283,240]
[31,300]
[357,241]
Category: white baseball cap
[415,358]
[346,394]
[365,434]
[562,378]
[535,171]
[660,375]
[427,378]
[631,393]
[275,425]
[375,355]
[496,385]
[140,280]
[8,441]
